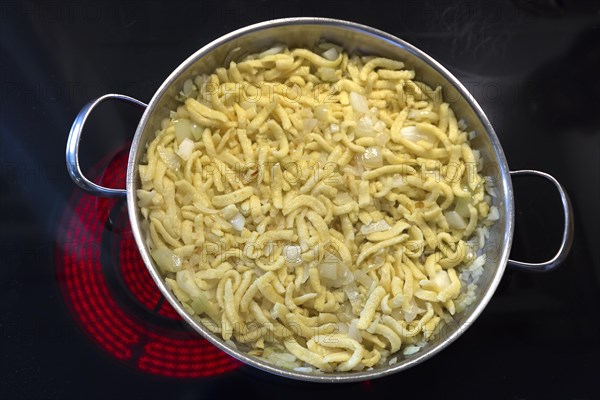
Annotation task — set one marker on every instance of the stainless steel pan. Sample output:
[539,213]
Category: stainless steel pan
[306,32]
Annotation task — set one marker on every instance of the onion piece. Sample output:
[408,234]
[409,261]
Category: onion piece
[365,126]
[371,158]
[359,102]
[188,88]
[373,227]
[478,262]
[328,271]
[494,215]
[408,350]
[166,259]
[169,158]
[334,128]
[462,207]
[327,74]
[292,254]
[305,272]
[353,332]
[310,124]
[344,275]
[343,198]
[382,138]
[413,311]
[442,280]
[362,278]
[183,129]
[330,54]
[342,327]
[455,220]
[185,149]
[379,126]
[322,112]
[414,135]
[353,295]
[273,50]
[238,221]
[185,280]
[196,131]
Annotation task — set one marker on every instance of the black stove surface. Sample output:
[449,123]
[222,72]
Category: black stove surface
[79,315]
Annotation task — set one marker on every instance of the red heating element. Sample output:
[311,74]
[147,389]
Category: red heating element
[168,352]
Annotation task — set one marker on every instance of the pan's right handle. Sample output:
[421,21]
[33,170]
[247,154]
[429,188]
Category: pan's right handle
[567,237]
[72,154]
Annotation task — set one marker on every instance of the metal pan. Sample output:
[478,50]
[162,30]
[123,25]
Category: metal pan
[306,32]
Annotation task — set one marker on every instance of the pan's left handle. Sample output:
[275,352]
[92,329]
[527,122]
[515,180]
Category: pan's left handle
[72,154]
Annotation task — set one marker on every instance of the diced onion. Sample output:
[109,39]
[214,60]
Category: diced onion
[494,215]
[183,129]
[328,271]
[414,310]
[334,128]
[309,124]
[196,131]
[292,254]
[343,198]
[371,158]
[238,221]
[353,295]
[188,87]
[408,350]
[365,126]
[169,158]
[359,102]
[379,126]
[373,227]
[185,149]
[327,74]
[398,181]
[382,139]
[413,134]
[273,50]
[441,279]
[455,220]
[462,207]
[342,327]
[362,278]
[305,272]
[322,112]
[353,332]
[330,54]
[344,276]
[166,259]
[185,280]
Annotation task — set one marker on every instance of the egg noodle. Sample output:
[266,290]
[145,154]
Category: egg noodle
[321,210]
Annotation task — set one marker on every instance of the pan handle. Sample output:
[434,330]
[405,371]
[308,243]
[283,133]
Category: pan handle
[72,154]
[567,237]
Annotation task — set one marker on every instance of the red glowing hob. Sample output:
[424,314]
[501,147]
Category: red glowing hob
[96,301]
